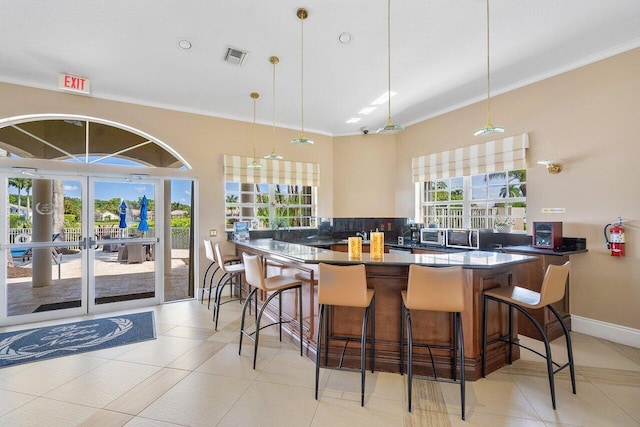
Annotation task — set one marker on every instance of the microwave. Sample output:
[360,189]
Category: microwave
[463,238]
[433,236]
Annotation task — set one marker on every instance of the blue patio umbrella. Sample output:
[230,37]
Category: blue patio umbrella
[123,215]
[144,206]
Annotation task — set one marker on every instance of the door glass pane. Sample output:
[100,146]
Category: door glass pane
[45,263]
[124,259]
[178,279]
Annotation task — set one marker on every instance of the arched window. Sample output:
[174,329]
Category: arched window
[84,139]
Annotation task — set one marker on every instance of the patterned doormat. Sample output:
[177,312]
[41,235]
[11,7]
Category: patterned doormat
[72,338]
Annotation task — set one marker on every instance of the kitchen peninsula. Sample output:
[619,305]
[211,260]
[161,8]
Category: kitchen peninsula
[388,277]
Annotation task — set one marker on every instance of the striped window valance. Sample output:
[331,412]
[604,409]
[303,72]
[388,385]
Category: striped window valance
[272,171]
[492,156]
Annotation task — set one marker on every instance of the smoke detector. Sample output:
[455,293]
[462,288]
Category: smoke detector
[235,56]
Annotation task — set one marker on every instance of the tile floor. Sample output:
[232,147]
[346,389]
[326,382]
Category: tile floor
[193,376]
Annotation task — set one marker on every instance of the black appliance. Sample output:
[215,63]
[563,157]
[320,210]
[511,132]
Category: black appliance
[414,232]
[547,235]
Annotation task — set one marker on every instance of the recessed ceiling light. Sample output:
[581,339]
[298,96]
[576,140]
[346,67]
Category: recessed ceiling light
[366,110]
[184,44]
[345,37]
[384,98]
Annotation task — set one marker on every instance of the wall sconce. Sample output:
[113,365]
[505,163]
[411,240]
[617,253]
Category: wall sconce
[553,166]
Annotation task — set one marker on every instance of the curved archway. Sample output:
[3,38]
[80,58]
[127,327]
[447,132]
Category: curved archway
[85,139]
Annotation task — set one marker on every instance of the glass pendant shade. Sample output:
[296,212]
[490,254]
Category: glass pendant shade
[302,14]
[390,128]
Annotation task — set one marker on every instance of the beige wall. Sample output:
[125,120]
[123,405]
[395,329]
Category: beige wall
[364,170]
[587,117]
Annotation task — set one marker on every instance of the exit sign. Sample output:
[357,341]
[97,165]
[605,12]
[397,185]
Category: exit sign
[71,83]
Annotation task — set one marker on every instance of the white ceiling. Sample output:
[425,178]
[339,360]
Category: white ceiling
[128,49]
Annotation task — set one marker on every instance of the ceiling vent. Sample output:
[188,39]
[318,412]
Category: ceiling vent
[235,56]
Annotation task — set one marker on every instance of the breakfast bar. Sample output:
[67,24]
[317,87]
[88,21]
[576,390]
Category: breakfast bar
[388,277]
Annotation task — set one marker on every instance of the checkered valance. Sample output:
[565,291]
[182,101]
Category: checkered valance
[493,156]
[272,171]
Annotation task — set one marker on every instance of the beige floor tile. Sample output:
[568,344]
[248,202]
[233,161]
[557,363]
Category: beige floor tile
[627,398]
[266,404]
[385,385]
[146,422]
[496,394]
[10,400]
[228,362]
[189,332]
[46,412]
[589,407]
[145,393]
[490,420]
[195,357]
[38,378]
[338,412]
[288,367]
[159,352]
[105,383]
[225,336]
[106,419]
[198,400]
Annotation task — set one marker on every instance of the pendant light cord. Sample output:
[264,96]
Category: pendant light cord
[488,71]
[273,118]
[389,57]
[302,18]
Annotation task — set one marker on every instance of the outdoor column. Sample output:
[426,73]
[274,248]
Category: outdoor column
[42,226]
[167,226]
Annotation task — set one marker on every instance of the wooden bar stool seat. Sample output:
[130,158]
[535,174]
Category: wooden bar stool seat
[552,290]
[273,286]
[345,286]
[438,289]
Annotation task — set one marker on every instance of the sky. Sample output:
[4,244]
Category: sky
[106,190]
[124,189]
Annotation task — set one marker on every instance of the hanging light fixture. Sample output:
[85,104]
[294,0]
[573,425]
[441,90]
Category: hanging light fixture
[488,128]
[255,164]
[273,155]
[389,128]
[302,14]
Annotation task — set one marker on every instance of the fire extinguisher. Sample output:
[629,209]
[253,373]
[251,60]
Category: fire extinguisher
[615,239]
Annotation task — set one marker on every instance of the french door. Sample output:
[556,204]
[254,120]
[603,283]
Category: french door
[75,245]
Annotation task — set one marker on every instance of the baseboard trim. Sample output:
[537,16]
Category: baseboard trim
[608,331]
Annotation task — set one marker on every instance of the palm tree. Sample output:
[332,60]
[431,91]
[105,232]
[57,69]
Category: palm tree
[20,184]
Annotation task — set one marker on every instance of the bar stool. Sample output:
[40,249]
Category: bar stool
[345,286]
[231,272]
[434,289]
[208,249]
[552,290]
[273,286]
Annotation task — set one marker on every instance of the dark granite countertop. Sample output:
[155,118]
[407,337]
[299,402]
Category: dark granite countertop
[313,255]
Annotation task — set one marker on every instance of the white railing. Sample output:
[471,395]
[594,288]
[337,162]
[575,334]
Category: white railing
[179,235]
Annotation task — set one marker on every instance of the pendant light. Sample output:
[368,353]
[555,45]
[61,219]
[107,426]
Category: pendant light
[389,128]
[488,128]
[273,155]
[255,164]
[302,14]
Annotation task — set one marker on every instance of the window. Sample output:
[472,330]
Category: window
[476,201]
[269,206]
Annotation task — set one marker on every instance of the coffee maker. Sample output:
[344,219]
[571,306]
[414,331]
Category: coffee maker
[415,232]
